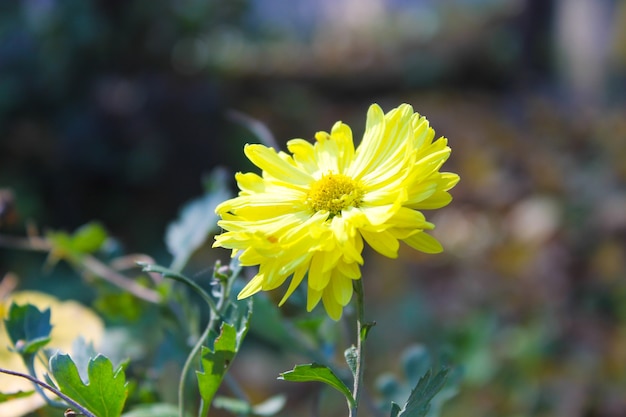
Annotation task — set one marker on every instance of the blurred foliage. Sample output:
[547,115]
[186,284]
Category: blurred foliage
[114,110]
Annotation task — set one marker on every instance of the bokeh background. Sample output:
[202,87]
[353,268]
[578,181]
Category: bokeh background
[115,110]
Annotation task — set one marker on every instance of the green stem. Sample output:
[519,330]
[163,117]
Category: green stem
[361,335]
[38,383]
[29,361]
[216,314]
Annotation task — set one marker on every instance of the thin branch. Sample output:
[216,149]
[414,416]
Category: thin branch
[89,262]
[102,270]
[360,338]
[67,399]
[126,262]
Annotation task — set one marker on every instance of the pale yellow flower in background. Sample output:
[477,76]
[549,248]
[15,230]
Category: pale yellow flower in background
[69,320]
[309,212]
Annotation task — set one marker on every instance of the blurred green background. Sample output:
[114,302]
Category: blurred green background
[115,110]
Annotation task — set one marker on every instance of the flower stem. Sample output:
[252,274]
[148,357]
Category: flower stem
[360,340]
[216,315]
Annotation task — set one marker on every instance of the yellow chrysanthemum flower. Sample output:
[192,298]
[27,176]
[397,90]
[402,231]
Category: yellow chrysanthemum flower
[311,211]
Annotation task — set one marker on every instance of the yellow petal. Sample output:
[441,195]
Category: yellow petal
[350,270]
[333,308]
[69,320]
[382,242]
[424,242]
[320,270]
[295,282]
[313,298]
[254,286]
[341,287]
[268,160]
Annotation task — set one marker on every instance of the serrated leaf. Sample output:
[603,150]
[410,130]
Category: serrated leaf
[153,410]
[104,394]
[320,373]
[418,403]
[215,362]
[395,410]
[196,221]
[28,328]
[8,396]
[352,356]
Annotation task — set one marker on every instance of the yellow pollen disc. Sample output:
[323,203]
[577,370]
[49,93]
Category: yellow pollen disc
[333,193]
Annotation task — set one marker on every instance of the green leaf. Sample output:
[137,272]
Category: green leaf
[416,363]
[28,328]
[316,372]
[196,221]
[89,238]
[153,410]
[395,410]
[104,394]
[418,403]
[215,362]
[4,396]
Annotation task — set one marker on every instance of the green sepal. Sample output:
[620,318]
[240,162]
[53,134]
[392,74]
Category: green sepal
[104,394]
[320,373]
[365,329]
[28,328]
[8,396]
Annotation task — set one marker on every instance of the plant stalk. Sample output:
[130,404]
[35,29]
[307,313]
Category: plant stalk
[360,340]
[216,315]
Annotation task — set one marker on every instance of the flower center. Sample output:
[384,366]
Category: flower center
[333,193]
